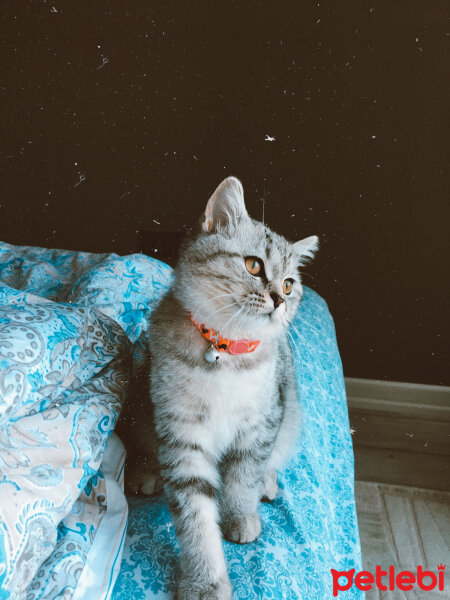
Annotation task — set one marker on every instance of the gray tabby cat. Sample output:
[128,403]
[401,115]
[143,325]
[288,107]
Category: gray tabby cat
[225,423]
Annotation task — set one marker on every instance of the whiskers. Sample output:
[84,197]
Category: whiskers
[232,328]
[295,345]
[207,301]
[236,332]
[237,318]
[303,274]
[220,310]
[258,302]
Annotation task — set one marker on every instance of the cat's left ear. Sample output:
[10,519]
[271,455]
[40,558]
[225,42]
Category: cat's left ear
[225,207]
[305,249]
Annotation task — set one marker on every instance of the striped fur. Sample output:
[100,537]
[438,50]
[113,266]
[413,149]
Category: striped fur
[223,429]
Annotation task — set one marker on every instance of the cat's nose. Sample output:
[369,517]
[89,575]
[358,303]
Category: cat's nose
[277,300]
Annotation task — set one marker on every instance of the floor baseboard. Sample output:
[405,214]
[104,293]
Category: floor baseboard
[401,432]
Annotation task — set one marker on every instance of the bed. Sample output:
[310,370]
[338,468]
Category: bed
[71,337]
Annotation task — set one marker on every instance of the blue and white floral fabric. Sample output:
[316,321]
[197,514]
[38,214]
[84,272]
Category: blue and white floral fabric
[66,323]
[60,393]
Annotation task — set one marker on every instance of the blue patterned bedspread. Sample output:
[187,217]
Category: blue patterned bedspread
[67,324]
[70,328]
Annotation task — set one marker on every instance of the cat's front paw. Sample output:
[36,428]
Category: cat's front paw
[270,489]
[142,479]
[193,590]
[242,529]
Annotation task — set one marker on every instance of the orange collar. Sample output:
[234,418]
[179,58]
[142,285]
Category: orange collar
[223,344]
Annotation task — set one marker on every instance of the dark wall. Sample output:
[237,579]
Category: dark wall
[123,116]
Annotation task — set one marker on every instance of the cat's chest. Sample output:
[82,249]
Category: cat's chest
[237,401]
[236,390]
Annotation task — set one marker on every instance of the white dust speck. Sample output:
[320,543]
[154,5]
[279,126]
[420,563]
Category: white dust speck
[81,178]
[352,430]
[410,435]
[155,221]
[105,60]
[374,136]
[269,138]
[54,10]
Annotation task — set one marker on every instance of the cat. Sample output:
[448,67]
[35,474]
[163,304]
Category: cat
[225,407]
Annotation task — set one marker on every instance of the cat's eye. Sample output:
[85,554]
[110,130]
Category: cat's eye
[287,286]
[254,266]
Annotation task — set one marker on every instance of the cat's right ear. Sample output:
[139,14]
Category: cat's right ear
[306,249]
[226,206]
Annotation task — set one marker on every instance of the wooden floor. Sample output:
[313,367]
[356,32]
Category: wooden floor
[404,527]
